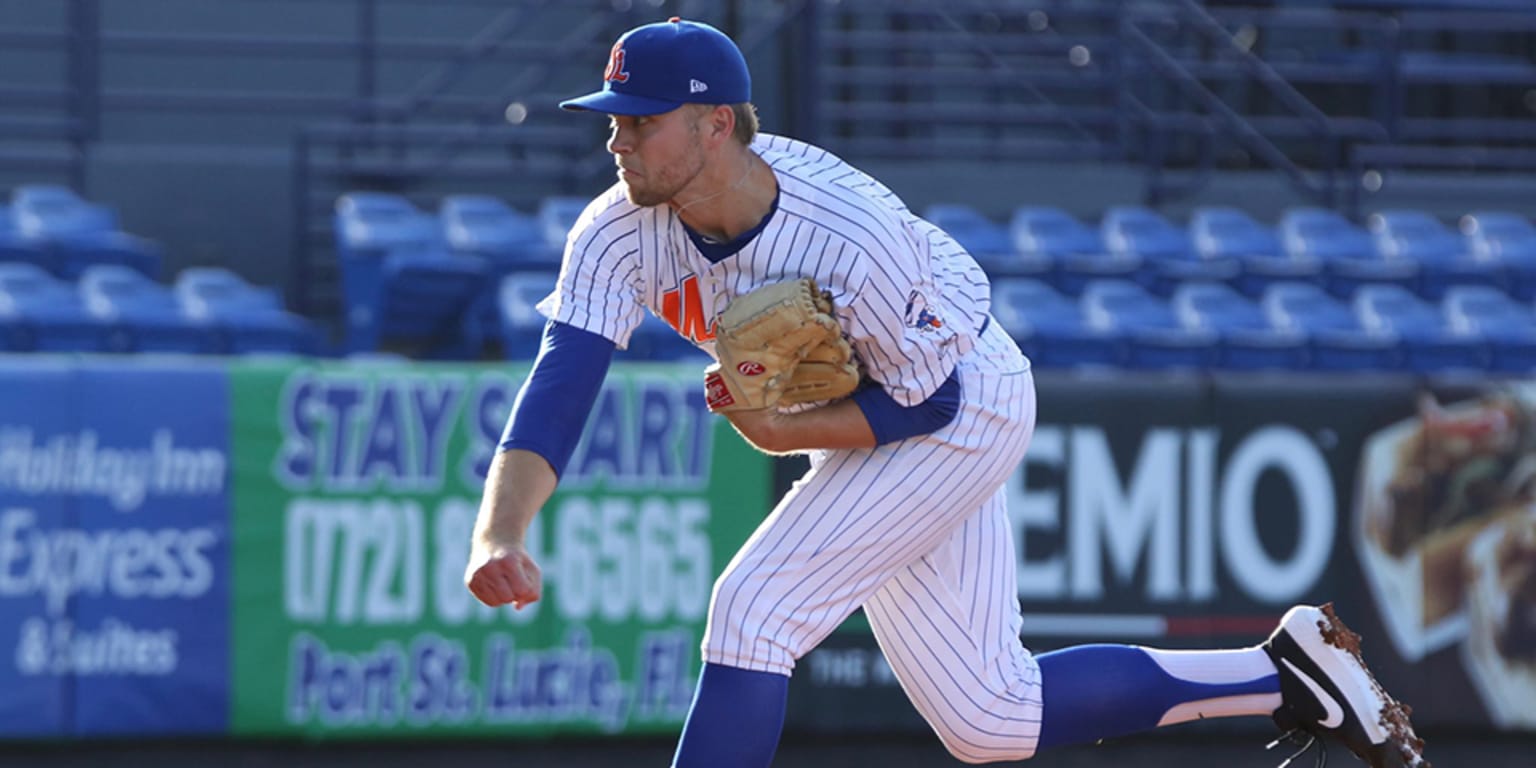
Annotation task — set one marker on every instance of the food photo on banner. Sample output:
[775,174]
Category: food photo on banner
[355,496]
[1446,536]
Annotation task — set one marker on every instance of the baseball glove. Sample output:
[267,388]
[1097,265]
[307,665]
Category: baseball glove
[779,343]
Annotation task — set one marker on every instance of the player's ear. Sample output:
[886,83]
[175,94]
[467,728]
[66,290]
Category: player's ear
[722,122]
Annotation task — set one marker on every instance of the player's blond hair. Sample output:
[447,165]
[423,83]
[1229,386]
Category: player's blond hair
[746,122]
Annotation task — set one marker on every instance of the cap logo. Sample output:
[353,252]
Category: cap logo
[615,72]
[695,86]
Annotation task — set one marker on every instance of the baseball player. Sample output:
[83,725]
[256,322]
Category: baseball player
[758,248]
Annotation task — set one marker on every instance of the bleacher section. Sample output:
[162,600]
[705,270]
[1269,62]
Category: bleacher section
[1134,290]
[1224,291]
[1219,290]
[71,280]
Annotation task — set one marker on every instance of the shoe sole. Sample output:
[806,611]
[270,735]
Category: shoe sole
[1336,651]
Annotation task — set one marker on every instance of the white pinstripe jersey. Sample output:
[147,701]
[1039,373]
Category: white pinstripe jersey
[911,300]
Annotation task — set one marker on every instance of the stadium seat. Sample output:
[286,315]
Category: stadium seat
[654,340]
[1247,339]
[1334,335]
[1442,254]
[557,215]
[400,281]
[48,211]
[1507,325]
[1429,343]
[1508,239]
[484,226]
[522,327]
[1157,339]
[145,315]
[1347,252]
[1045,232]
[987,241]
[1050,327]
[249,319]
[15,248]
[45,314]
[1224,232]
[1167,253]
[79,233]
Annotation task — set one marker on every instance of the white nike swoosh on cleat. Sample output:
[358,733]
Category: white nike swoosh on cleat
[1335,713]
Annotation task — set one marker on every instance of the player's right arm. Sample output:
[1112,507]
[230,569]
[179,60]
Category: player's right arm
[500,569]
[542,430]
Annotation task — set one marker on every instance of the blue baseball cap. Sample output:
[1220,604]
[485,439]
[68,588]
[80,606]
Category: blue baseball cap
[659,67]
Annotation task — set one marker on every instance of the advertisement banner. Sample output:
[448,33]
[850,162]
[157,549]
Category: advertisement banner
[1190,512]
[114,537]
[355,493]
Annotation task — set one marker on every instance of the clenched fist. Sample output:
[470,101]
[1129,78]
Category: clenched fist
[502,574]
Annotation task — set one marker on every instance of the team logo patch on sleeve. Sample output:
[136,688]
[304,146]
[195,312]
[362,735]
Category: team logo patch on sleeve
[919,316]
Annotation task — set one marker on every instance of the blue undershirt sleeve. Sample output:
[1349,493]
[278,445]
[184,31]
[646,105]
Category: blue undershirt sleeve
[890,421]
[552,407]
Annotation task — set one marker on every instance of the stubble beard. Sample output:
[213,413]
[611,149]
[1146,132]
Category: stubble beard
[666,184]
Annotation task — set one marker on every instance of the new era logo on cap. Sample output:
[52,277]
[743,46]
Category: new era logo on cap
[659,67]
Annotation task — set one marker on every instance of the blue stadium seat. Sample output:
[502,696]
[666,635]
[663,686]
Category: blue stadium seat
[1442,254]
[654,340]
[1158,340]
[1247,339]
[1224,232]
[1045,232]
[1429,343]
[250,319]
[557,214]
[47,211]
[400,281]
[1348,254]
[16,248]
[1169,256]
[45,314]
[1508,239]
[987,241]
[522,327]
[78,232]
[1334,334]
[145,315]
[1508,325]
[1050,327]
[484,226]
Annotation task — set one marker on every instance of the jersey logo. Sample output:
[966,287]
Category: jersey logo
[615,72]
[918,315]
[683,309]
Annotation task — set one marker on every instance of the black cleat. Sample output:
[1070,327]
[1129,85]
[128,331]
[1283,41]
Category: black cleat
[1327,691]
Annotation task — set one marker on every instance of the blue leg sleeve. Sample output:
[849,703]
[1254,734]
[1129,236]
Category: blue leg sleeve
[736,719]
[1094,692]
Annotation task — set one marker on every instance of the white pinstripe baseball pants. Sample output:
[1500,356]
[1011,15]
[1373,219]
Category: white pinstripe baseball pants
[917,532]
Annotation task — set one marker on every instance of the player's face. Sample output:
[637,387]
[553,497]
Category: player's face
[658,155]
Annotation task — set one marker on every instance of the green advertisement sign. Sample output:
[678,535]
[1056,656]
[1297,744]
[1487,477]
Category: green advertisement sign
[355,490]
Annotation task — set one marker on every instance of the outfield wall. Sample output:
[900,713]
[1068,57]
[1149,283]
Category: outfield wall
[275,548]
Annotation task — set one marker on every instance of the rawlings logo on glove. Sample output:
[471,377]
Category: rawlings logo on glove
[779,344]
